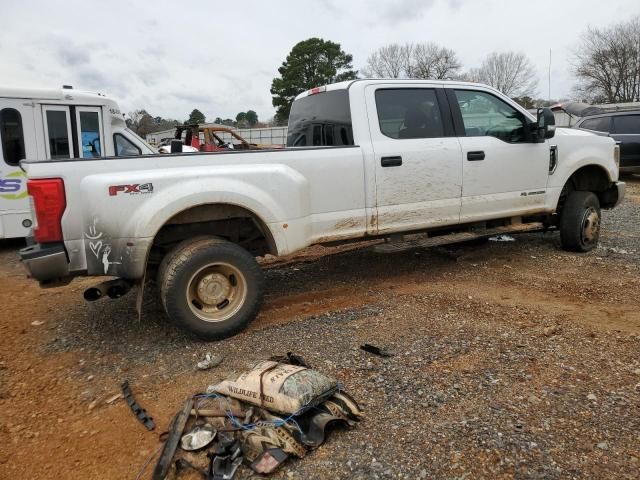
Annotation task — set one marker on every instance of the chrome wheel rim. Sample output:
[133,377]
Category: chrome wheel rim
[590,225]
[216,292]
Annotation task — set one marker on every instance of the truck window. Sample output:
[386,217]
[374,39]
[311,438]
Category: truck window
[58,134]
[11,136]
[90,135]
[405,113]
[485,115]
[627,124]
[601,124]
[125,147]
[319,120]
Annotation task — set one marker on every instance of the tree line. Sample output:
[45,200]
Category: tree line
[143,123]
[605,64]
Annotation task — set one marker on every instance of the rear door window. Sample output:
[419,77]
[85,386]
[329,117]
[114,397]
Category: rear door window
[321,120]
[627,124]
[602,124]
[11,136]
[405,113]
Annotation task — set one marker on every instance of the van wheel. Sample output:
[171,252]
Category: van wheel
[580,222]
[211,287]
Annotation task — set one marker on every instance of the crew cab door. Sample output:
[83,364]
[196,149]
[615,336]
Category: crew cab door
[417,158]
[504,173]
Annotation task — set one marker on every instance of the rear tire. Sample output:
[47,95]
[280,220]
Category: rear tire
[580,222]
[210,287]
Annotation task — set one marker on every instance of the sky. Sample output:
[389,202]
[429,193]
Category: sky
[170,57]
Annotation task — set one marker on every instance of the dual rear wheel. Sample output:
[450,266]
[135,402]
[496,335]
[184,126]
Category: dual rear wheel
[211,287]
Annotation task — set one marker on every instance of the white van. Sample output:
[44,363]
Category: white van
[54,124]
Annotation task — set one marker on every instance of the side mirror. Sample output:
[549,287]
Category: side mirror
[546,124]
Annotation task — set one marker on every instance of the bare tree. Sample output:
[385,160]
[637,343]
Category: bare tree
[389,61]
[607,63]
[423,60]
[510,72]
[435,62]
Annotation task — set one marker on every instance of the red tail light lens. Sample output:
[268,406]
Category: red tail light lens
[49,204]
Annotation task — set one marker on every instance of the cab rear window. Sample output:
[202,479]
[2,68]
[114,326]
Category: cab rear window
[321,120]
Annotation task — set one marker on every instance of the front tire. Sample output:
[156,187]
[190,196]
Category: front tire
[580,222]
[210,287]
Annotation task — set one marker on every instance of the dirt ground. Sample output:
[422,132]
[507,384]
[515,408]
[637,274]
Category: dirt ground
[512,360]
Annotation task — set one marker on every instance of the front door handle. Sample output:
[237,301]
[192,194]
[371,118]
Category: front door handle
[475,156]
[391,161]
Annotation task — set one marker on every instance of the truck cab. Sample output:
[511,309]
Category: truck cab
[54,124]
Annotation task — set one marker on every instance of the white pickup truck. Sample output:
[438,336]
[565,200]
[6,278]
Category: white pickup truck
[365,159]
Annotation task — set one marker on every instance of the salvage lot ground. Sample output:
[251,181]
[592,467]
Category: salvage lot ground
[514,360]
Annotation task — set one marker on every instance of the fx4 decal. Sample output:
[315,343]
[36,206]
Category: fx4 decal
[133,189]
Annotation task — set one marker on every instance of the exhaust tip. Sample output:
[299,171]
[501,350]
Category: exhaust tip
[92,294]
[117,291]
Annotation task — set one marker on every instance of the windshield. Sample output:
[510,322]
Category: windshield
[147,148]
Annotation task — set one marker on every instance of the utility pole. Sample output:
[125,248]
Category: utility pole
[549,97]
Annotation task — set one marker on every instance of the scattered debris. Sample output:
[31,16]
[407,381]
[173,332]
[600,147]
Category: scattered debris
[551,330]
[291,359]
[375,350]
[262,417]
[209,361]
[279,387]
[502,238]
[138,411]
[199,437]
[171,443]
[620,251]
[37,323]
[592,397]
[112,399]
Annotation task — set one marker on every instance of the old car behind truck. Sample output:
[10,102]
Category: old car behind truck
[365,159]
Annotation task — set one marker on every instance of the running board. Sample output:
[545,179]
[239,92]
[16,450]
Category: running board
[422,240]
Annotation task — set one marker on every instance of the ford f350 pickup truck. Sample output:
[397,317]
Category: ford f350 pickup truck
[365,159]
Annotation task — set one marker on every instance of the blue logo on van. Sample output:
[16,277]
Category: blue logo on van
[11,184]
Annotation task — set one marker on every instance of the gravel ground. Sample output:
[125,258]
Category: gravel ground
[512,360]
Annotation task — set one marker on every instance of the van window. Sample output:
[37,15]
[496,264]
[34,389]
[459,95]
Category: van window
[597,124]
[405,113]
[90,135]
[485,115]
[11,136]
[58,134]
[125,147]
[627,124]
[323,119]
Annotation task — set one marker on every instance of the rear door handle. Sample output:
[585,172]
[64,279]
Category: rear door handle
[391,161]
[475,156]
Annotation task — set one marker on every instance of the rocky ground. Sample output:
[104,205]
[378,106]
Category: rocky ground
[512,360]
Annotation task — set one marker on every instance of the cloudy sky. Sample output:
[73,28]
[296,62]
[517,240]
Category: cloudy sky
[220,56]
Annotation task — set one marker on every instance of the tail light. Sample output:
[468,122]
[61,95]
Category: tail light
[616,155]
[49,203]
